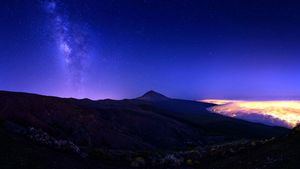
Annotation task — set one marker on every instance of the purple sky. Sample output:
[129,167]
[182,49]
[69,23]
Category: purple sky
[190,49]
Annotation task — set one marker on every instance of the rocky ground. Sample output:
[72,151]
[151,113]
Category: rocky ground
[34,148]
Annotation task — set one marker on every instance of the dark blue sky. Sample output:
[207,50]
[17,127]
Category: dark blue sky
[122,48]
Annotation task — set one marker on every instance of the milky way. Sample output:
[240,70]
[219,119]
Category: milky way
[71,41]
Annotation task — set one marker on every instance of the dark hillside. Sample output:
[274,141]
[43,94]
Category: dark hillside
[151,123]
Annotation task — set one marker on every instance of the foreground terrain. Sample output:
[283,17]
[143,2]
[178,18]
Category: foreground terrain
[151,131]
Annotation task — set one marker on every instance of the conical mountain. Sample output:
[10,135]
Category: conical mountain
[153,96]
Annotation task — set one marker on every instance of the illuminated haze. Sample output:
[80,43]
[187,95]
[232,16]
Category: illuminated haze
[274,113]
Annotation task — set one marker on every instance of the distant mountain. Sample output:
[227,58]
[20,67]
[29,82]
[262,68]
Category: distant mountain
[153,96]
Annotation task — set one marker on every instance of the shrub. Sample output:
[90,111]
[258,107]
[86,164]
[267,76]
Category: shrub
[189,162]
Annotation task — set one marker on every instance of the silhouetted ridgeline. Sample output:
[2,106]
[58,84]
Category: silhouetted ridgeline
[128,132]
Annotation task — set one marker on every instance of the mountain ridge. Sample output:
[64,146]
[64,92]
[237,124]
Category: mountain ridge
[116,130]
[45,110]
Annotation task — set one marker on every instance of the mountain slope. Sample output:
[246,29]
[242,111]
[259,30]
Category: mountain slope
[111,124]
[196,114]
[278,153]
[152,121]
[17,152]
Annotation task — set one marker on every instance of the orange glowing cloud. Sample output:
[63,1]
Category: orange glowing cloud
[277,113]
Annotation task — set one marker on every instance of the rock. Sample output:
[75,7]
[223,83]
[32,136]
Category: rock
[41,137]
[138,162]
[171,160]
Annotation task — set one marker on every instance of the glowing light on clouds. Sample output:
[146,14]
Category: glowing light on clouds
[71,41]
[275,113]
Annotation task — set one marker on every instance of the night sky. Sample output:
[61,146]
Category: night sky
[118,49]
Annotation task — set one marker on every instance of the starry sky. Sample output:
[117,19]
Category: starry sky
[233,49]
